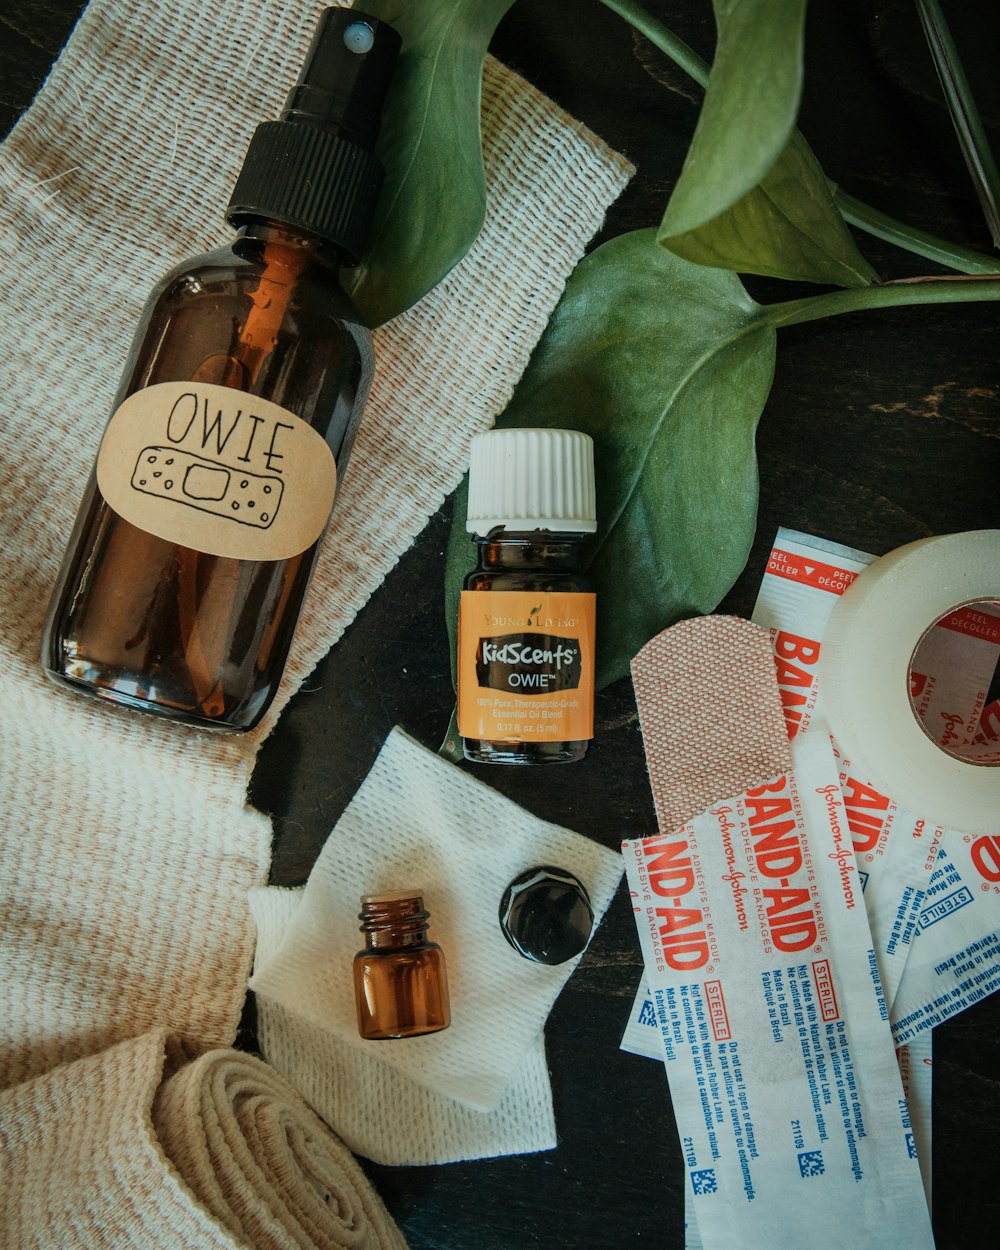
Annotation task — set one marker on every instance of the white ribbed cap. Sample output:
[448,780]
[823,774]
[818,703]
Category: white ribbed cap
[530,480]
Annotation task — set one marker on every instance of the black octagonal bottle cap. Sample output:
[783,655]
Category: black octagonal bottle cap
[545,914]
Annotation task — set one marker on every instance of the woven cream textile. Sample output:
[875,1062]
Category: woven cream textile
[148,1144]
[128,849]
[479,1087]
[379,1112]
[418,822]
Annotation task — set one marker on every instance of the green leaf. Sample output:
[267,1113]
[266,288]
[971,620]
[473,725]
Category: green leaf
[853,211]
[964,114]
[433,200]
[667,366]
[787,227]
[751,196]
[749,110]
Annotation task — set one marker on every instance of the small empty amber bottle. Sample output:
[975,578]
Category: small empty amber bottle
[400,980]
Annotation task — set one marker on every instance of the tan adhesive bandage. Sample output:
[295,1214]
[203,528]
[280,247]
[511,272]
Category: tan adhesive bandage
[710,713]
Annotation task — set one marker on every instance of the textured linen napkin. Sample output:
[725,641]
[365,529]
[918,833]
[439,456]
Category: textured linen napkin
[379,1112]
[419,822]
[128,848]
[149,1145]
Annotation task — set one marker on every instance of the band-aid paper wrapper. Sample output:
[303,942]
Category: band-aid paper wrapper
[772,1022]
[896,850]
[955,959]
[916,1070]
[932,895]
[804,578]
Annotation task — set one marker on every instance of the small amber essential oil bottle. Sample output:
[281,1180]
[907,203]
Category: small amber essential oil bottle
[527,613]
[400,979]
[213,486]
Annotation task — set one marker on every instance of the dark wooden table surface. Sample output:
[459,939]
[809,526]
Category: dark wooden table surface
[882,427]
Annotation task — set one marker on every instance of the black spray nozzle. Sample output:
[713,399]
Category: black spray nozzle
[345,76]
[313,168]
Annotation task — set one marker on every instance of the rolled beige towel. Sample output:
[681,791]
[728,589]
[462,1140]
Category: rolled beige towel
[152,1145]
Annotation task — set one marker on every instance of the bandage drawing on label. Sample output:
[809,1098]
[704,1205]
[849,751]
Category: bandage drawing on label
[197,482]
[217,471]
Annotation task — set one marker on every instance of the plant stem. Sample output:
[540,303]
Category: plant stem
[887,295]
[854,211]
[451,747]
[964,114]
[862,215]
[664,39]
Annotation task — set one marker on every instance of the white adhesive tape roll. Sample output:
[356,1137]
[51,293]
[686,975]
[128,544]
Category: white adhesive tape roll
[864,674]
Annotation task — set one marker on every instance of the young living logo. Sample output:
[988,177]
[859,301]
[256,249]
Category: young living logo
[549,622]
[528,663]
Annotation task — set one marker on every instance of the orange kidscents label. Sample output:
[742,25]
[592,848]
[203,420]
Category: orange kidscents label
[526,666]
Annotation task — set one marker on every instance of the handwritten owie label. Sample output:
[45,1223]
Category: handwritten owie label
[217,470]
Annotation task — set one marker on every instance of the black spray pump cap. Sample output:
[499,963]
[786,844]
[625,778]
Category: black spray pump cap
[314,168]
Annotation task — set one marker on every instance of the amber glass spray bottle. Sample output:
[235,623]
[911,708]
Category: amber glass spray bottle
[239,403]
